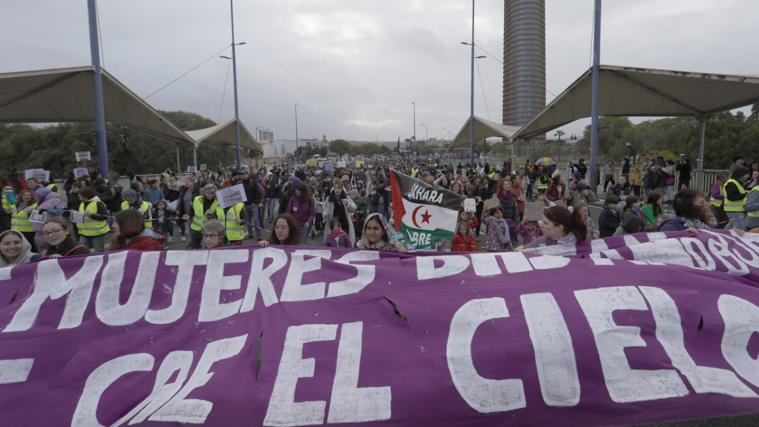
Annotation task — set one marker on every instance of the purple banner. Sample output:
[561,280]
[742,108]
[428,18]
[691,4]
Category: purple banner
[645,328]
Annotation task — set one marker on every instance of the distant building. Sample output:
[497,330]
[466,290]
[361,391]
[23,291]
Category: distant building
[265,135]
[524,59]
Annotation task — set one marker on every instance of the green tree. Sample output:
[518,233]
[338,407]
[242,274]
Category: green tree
[340,147]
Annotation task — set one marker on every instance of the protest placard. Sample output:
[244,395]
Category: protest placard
[341,164]
[79,172]
[191,169]
[38,217]
[231,196]
[470,205]
[203,166]
[41,175]
[82,156]
[76,217]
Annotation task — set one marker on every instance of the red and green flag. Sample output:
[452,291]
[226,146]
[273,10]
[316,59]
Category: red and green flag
[423,214]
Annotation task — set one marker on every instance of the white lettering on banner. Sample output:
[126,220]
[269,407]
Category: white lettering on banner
[15,370]
[741,323]
[283,410]
[721,250]
[698,252]
[486,264]
[185,262]
[108,308]
[554,352]
[349,403]
[420,193]
[50,282]
[624,383]
[168,401]
[178,362]
[452,265]
[669,332]
[182,410]
[482,394]
[742,243]
[364,274]
[669,251]
[294,289]
[260,277]
[211,309]
[100,379]
[549,262]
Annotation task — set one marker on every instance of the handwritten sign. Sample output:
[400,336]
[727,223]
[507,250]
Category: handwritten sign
[470,205]
[41,175]
[203,166]
[76,217]
[80,172]
[38,217]
[231,196]
[82,156]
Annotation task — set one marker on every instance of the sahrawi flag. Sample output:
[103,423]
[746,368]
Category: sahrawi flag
[423,214]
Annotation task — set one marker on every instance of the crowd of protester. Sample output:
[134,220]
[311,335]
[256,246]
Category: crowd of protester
[295,204]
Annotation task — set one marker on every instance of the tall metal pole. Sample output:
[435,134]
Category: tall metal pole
[195,156]
[296,126]
[414,137]
[700,166]
[594,102]
[179,165]
[234,80]
[102,144]
[471,96]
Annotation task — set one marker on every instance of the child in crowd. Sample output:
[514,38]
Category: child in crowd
[529,231]
[609,219]
[498,239]
[163,220]
[463,240]
[337,237]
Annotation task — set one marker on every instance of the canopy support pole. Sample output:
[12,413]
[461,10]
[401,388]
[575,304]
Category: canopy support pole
[179,166]
[102,144]
[594,102]
[700,166]
[195,156]
[234,79]
[471,96]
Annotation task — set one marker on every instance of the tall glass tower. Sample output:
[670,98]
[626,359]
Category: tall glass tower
[524,60]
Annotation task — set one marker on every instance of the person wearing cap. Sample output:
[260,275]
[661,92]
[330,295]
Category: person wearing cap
[204,207]
[132,200]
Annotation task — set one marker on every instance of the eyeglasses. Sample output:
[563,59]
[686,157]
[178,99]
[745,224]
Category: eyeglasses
[51,232]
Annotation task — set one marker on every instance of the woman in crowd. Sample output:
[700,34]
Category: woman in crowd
[337,237]
[561,226]
[652,210]
[692,212]
[14,249]
[556,188]
[463,240]
[59,243]
[302,207]
[375,236]
[20,219]
[213,234]
[285,231]
[498,235]
[131,233]
[339,207]
[508,201]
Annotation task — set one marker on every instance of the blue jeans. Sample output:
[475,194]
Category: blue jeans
[271,203]
[306,232]
[254,220]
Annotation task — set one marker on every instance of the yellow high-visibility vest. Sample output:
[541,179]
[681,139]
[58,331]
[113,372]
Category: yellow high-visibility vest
[144,207]
[199,215]
[234,231]
[734,205]
[91,227]
[20,220]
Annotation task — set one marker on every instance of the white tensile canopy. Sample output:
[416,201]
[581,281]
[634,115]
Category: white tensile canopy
[482,129]
[629,91]
[225,133]
[67,95]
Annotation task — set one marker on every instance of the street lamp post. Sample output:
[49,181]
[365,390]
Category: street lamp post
[102,144]
[296,126]
[426,132]
[414,136]
[234,80]
[471,96]
[594,98]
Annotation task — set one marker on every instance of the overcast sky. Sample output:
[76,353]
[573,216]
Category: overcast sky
[355,66]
